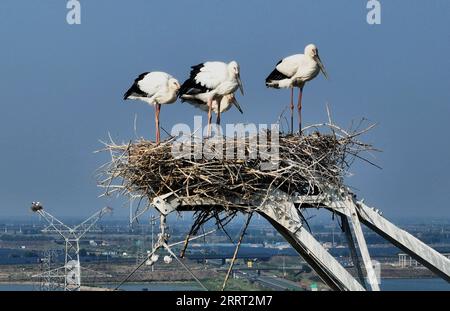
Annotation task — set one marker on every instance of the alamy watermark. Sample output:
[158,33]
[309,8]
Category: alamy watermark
[374,14]
[237,142]
[73,16]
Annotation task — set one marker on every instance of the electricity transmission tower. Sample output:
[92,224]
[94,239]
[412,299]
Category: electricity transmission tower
[71,271]
[47,263]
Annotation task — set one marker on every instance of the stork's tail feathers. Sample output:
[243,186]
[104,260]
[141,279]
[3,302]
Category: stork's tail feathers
[134,90]
[127,94]
[273,84]
[274,77]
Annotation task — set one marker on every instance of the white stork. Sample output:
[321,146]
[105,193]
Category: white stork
[213,80]
[295,71]
[155,88]
[200,101]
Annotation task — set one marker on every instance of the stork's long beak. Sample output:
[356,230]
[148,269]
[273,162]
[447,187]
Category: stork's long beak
[235,102]
[321,66]
[241,88]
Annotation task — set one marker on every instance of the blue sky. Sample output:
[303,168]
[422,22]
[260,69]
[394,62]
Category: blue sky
[62,88]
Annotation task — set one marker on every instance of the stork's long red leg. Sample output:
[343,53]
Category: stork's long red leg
[157,111]
[292,110]
[218,113]
[209,117]
[299,107]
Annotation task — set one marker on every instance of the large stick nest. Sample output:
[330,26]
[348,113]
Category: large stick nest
[308,163]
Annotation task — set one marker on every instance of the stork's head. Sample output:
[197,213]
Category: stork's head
[233,67]
[174,85]
[312,51]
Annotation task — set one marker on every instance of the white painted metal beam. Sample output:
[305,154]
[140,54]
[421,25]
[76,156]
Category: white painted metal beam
[280,211]
[424,254]
[352,247]
[362,245]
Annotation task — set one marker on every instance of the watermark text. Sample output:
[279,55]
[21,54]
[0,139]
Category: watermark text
[374,14]
[73,16]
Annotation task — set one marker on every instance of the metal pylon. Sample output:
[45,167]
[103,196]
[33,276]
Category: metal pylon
[352,248]
[47,261]
[282,212]
[71,236]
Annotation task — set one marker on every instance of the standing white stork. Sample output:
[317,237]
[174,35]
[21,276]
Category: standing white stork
[200,101]
[295,71]
[155,88]
[213,80]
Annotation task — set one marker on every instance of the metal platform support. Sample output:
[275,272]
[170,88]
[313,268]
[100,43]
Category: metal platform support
[421,252]
[352,247]
[371,276]
[372,218]
[282,212]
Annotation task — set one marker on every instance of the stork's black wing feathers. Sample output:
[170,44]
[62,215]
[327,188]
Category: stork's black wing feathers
[275,75]
[134,90]
[190,86]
